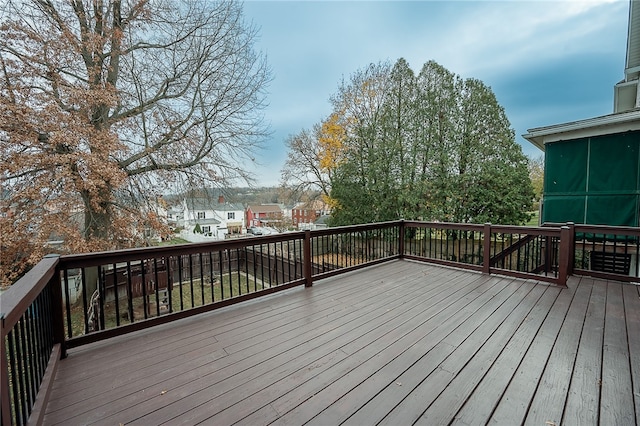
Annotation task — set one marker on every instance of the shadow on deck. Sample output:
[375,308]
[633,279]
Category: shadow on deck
[398,343]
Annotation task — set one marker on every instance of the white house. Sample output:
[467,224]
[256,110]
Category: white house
[213,220]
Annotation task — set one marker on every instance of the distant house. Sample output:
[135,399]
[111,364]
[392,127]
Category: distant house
[304,214]
[264,215]
[175,216]
[214,219]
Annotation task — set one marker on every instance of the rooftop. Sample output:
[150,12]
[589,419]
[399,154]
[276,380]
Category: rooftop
[591,127]
[265,208]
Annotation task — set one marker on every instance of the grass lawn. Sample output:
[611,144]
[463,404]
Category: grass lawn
[534,219]
[174,240]
[192,294]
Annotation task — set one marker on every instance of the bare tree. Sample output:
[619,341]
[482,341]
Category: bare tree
[303,171]
[106,102]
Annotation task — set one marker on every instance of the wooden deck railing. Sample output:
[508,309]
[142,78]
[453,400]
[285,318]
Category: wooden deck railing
[525,252]
[609,252]
[32,343]
[72,300]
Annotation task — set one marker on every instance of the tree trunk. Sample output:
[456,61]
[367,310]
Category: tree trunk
[98,216]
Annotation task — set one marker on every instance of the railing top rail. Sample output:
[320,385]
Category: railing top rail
[554,224]
[531,230]
[117,256]
[445,225]
[17,298]
[606,229]
[354,228]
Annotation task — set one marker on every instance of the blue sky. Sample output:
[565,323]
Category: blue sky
[548,62]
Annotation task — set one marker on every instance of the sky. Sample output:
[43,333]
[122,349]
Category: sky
[548,62]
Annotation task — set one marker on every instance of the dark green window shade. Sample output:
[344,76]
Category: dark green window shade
[566,167]
[614,210]
[613,164]
[563,208]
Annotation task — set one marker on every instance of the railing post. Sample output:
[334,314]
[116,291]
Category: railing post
[563,257]
[308,272]
[401,239]
[486,255]
[57,310]
[572,247]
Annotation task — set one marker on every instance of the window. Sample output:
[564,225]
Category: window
[231,215]
[206,229]
[200,215]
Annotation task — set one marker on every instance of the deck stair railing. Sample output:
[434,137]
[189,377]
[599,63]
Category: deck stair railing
[525,252]
[536,254]
[514,247]
[53,307]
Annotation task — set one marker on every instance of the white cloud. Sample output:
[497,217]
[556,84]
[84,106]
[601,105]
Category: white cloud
[490,38]
[312,45]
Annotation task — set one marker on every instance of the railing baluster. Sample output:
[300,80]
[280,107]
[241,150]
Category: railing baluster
[269,270]
[193,303]
[67,295]
[200,258]
[180,280]
[129,293]
[16,374]
[239,275]
[23,369]
[167,261]
[289,276]
[335,259]
[101,296]
[222,261]
[85,306]
[255,268]
[32,348]
[26,358]
[116,293]
[39,337]
[212,277]
[156,284]
[230,273]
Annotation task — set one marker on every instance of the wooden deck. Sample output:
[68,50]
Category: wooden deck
[398,343]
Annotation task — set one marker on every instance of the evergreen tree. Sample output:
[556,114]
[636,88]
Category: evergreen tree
[430,147]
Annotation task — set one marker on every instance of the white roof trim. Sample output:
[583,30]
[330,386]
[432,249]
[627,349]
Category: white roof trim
[597,126]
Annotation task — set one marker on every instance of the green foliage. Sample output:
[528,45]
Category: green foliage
[430,146]
[536,174]
[197,229]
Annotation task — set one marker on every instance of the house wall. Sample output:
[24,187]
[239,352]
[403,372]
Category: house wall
[224,224]
[593,180]
[304,216]
[254,218]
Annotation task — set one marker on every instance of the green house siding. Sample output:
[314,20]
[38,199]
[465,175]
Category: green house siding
[593,180]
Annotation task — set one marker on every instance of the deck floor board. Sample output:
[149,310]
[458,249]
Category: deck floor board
[631,297]
[583,399]
[398,343]
[616,404]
